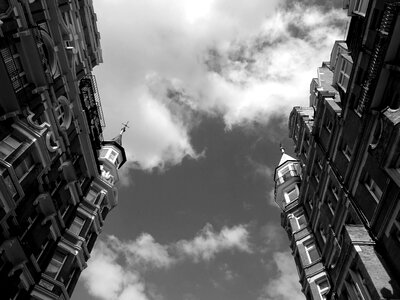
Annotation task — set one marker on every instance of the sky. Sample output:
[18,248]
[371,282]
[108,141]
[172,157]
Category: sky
[207,87]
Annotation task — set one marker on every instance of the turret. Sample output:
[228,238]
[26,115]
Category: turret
[287,180]
[112,157]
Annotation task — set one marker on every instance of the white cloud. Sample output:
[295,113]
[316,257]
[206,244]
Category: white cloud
[208,243]
[263,58]
[260,169]
[271,198]
[115,270]
[145,251]
[263,68]
[106,279]
[272,237]
[286,285]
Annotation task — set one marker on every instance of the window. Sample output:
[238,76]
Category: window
[322,232]
[329,126]
[291,195]
[62,112]
[319,164]
[311,251]
[91,196]
[42,249]
[24,167]
[356,286]
[316,176]
[8,146]
[344,73]
[10,185]
[103,152]
[331,204]
[335,191]
[346,150]
[361,7]
[396,228]
[287,172]
[372,187]
[30,221]
[55,265]
[59,110]
[306,139]
[113,155]
[323,287]
[301,220]
[77,225]
[304,151]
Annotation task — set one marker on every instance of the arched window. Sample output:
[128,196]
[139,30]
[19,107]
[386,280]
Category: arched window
[63,112]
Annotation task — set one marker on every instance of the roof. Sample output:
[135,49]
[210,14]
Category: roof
[285,158]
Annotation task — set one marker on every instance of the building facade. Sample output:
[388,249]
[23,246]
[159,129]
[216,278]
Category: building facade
[57,175]
[340,196]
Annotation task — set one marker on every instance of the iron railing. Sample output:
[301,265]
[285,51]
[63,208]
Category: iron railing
[377,57]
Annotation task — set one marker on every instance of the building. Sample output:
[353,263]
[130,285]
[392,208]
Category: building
[57,174]
[340,196]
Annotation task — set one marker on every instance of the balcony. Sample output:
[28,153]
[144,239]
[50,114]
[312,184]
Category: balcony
[377,57]
[90,100]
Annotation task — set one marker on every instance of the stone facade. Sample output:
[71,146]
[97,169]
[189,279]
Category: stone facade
[57,174]
[347,143]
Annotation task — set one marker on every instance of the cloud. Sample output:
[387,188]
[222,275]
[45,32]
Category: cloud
[228,273]
[286,285]
[208,243]
[168,63]
[271,198]
[106,279]
[116,269]
[143,252]
[272,237]
[260,170]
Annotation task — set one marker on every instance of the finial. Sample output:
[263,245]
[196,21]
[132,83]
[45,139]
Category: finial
[123,129]
[281,147]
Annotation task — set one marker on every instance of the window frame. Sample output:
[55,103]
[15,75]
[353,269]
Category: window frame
[329,125]
[309,246]
[24,167]
[343,78]
[298,217]
[77,225]
[346,150]
[288,192]
[356,288]
[373,188]
[56,263]
[322,291]
[9,145]
[360,8]
[93,193]
[322,232]
[332,205]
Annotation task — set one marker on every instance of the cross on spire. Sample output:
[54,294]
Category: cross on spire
[123,129]
[282,148]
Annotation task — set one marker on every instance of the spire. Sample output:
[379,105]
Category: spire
[118,138]
[282,149]
[284,157]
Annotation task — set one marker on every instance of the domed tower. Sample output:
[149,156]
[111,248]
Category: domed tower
[287,180]
[112,157]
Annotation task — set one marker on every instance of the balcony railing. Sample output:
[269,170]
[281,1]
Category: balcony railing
[12,69]
[377,57]
[91,97]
